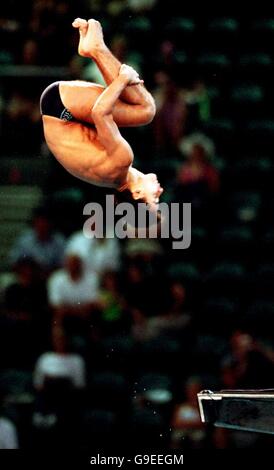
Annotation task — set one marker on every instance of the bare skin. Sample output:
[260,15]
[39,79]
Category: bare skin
[99,154]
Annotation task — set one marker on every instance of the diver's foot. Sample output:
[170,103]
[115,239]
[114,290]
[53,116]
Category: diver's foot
[91,37]
[82,25]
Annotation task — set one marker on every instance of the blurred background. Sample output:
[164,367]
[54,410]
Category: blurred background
[106,341]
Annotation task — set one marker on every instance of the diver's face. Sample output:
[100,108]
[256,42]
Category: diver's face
[151,189]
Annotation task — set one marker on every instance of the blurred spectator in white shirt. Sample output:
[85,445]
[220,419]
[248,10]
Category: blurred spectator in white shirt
[98,254]
[8,434]
[59,364]
[72,291]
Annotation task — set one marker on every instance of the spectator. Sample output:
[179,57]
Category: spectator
[8,431]
[25,320]
[30,52]
[8,434]
[198,169]
[59,363]
[27,295]
[145,289]
[173,321]
[198,179]
[186,421]
[40,242]
[73,291]
[98,254]
[198,102]
[112,305]
[170,118]
[21,129]
[59,378]
[250,363]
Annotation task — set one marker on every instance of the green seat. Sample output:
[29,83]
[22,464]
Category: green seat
[249,174]
[146,427]
[223,125]
[185,272]
[217,315]
[140,24]
[180,25]
[214,92]
[235,234]
[108,390]
[223,25]
[151,381]
[259,59]
[117,351]
[260,317]
[265,273]
[268,236]
[68,195]
[247,94]
[226,279]
[237,242]
[226,271]
[261,126]
[265,25]
[220,305]
[222,131]
[180,57]
[6,57]
[260,164]
[229,270]
[245,204]
[213,59]
[211,346]
[99,426]
[122,344]
[16,383]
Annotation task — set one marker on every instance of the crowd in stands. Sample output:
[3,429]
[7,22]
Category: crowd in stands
[105,340]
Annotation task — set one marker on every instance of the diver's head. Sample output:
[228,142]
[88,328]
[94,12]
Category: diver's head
[147,189]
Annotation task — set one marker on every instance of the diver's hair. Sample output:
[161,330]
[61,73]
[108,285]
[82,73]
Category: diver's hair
[125,195]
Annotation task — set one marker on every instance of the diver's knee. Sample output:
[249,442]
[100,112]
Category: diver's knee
[149,111]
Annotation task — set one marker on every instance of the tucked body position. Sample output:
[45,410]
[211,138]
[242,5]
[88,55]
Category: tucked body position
[81,121]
